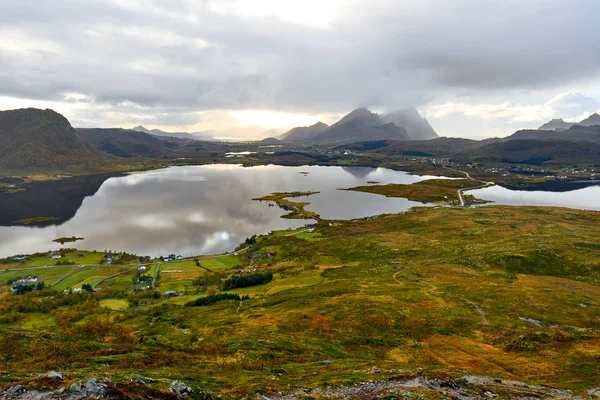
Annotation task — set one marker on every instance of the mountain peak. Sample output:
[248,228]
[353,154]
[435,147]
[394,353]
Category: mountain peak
[417,127]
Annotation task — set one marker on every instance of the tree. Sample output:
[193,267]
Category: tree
[10,347]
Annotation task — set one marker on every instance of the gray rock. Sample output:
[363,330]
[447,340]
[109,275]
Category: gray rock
[61,390]
[76,387]
[326,362]
[55,375]
[107,380]
[95,388]
[179,388]
[144,379]
[14,391]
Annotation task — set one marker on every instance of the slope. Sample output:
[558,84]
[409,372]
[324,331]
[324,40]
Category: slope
[123,142]
[34,139]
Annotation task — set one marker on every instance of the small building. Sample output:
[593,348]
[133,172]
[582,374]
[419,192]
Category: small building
[171,293]
[179,257]
[143,279]
[137,289]
[77,290]
[142,268]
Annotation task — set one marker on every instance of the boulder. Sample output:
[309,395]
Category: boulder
[14,391]
[180,389]
[55,375]
[76,387]
[95,388]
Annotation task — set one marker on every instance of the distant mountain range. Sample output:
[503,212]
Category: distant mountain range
[32,139]
[562,125]
[124,143]
[363,125]
[576,133]
[180,135]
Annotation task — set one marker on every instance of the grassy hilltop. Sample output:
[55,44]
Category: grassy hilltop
[511,293]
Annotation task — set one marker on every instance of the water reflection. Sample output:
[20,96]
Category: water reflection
[586,199]
[203,209]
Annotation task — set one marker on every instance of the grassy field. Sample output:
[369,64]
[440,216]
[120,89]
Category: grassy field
[428,191]
[114,304]
[506,292]
[80,257]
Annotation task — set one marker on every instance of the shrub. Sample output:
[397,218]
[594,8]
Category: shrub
[246,281]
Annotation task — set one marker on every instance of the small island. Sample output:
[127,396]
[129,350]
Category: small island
[295,208]
[63,240]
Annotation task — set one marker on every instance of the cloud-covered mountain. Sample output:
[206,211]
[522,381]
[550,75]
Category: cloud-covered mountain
[363,125]
[417,127]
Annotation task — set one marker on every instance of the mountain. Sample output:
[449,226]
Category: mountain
[180,135]
[440,147]
[593,119]
[360,125]
[561,125]
[123,142]
[32,139]
[304,133]
[575,133]
[556,125]
[417,127]
[534,152]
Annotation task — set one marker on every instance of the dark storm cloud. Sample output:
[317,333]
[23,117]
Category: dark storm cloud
[182,57]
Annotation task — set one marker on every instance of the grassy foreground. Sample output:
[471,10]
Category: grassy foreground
[506,292]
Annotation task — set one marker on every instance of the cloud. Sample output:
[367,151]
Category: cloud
[176,63]
[566,105]
[503,118]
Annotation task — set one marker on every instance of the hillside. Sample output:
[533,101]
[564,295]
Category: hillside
[359,126]
[534,152]
[123,142]
[440,147]
[576,133]
[179,135]
[33,139]
[303,133]
[426,303]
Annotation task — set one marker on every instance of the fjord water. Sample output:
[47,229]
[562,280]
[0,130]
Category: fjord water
[204,209]
[587,198]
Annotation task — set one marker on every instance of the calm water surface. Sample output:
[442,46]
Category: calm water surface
[586,199]
[204,209]
[208,209]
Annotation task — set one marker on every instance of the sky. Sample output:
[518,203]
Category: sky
[474,68]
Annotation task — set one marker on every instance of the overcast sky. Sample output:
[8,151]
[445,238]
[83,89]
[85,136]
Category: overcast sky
[474,68]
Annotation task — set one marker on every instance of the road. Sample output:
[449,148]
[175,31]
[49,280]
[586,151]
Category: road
[459,191]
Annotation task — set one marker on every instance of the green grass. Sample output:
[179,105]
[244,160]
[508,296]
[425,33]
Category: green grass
[76,279]
[115,304]
[88,258]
